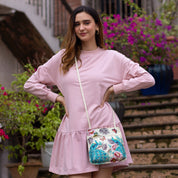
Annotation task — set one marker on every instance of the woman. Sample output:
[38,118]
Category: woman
[102,72]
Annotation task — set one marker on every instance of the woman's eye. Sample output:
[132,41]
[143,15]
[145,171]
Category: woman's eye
[77,24]
[86,23]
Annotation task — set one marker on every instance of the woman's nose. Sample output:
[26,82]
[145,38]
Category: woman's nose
[81,26]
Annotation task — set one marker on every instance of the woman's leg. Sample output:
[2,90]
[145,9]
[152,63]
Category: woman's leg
[103,173]
[86,175]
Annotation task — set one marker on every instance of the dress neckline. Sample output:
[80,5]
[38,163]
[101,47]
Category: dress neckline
[91,51]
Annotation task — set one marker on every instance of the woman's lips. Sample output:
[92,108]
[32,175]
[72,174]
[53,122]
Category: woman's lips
[82,34]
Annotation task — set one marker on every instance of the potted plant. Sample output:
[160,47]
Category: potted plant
[144,39]
[30,121]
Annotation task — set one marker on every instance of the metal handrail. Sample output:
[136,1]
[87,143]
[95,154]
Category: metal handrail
[54,14]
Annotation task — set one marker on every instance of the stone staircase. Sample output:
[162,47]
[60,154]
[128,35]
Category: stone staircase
[151,128]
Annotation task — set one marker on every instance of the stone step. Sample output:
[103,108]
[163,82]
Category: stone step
[151,128]
[152,106]
[155,150]
[166,141]
[150,98]
[151,111]
[153,167]
[146,137]
[155,158]
[149,171]
[140,126]
[127,116]
[150,120]
[149,131]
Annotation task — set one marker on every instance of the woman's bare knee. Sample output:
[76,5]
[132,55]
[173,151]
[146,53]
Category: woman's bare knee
[103,173]
[85,175]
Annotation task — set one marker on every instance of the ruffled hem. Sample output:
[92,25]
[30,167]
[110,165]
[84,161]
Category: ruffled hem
[70,154]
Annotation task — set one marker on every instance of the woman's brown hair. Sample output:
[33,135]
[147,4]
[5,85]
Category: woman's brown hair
[72,43]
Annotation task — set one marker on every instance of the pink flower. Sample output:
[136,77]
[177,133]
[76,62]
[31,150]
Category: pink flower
[158,22]
[45,110]
[131,39]
[6,136]
[169,27]
[151,48]
[111,35]
[52,106]
[3,134]
[117,16]
[135,15]
[105,32]
[105,24]
[5,93]
[2,88]
[142,59]
[111,28]
[37,106]
[29,101]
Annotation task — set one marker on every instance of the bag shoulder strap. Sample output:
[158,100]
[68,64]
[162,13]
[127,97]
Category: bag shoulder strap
[83,97]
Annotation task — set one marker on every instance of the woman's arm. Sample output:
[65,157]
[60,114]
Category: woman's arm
[134,78]
[46,75]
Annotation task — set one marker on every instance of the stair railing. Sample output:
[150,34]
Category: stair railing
[54,13]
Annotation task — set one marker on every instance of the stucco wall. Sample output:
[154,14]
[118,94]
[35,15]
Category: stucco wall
[36,20]
[8,65]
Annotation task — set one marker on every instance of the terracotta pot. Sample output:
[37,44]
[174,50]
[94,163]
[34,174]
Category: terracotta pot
[31,170]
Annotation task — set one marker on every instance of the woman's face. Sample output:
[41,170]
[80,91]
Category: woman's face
[85,27]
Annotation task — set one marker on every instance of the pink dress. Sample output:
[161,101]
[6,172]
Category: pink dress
[100,69]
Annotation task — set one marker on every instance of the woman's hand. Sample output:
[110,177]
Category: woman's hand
[61,100]
[107,94]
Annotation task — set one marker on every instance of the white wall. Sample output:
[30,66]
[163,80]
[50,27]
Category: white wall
[37,21]
[8,65]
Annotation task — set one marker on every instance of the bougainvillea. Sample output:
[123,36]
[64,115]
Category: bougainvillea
[144,39]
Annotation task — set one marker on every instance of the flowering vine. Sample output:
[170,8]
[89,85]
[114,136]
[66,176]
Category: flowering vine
[144,39]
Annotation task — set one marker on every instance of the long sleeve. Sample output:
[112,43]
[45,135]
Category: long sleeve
[134,77]
[46,75]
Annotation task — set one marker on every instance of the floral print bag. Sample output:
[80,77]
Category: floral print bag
[105,145]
